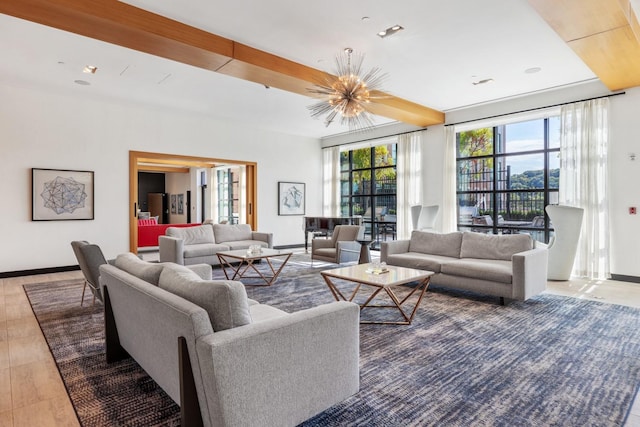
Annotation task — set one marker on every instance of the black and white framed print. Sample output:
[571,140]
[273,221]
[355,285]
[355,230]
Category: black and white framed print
[291,198]
[59,195]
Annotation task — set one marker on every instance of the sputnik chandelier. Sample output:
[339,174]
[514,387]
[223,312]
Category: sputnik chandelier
[348,93]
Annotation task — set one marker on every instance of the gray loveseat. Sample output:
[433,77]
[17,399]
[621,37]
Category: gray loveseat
[200,244]
[228,360]
[506,266]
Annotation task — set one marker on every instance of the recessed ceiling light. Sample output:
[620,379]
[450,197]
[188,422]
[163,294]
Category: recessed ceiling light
[82,82]
[483,81]
[90,69]
[533,70]
[390,31]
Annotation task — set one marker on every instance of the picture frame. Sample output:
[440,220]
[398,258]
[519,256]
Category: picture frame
[291,198]
[174,203]
[62,195]
[180,204]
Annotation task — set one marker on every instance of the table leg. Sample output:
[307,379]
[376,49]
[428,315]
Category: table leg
[365,254]
[224,264]
[421,287]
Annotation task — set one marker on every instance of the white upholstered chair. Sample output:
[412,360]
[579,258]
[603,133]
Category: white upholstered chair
[567,223]
[424,217]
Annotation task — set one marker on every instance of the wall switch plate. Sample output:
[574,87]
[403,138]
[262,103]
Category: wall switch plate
[632,210]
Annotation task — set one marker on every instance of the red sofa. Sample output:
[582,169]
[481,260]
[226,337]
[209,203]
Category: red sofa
[149,231]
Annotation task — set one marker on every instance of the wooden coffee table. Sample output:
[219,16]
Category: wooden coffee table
[241,262]
[395,276]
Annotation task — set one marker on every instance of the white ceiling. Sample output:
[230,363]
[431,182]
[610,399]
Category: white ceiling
[446,45]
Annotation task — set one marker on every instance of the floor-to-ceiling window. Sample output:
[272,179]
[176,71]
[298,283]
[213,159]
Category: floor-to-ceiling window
[368,188]
[506,175]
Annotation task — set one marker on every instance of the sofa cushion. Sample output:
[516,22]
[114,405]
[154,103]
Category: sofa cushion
[494,246]
[232,232]
[225,301]
[418,260]
[203,249]
[481,269]
[147,271]
[436,244]
[192,235]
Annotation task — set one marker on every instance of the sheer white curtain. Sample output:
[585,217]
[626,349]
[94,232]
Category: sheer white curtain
[409,180]
[449,199]
[331,181]
[583,181]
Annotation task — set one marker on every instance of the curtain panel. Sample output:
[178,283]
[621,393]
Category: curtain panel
[584,146]
[331,182]
[409,180]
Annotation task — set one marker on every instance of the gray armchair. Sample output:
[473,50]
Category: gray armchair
[342,247]
[90,258]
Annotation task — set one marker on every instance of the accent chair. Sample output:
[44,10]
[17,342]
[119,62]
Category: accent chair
[90,258]
[342,247]
[567,224]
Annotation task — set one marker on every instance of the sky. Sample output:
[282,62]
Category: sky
[527,136]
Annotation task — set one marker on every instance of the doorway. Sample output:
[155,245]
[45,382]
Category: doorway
[158,162]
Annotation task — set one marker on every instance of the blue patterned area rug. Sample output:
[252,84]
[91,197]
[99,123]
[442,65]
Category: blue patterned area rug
[468,361]
[464,361]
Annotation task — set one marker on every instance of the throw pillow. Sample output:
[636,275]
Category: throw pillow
[147,271]
[225,301]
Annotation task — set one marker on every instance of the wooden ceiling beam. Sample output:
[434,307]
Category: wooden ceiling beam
[604,33]
[124,25]
[273,71]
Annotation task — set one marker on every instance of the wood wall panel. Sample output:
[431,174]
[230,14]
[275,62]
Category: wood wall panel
[604,33]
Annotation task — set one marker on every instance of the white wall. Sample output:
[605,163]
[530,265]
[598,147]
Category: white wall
[624,173]
[624,184]
[59,131]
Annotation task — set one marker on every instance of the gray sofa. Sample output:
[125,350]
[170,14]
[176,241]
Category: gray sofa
[200,244]
[506,266]
[226,359]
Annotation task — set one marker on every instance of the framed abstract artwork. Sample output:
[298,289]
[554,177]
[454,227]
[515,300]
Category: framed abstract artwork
[61,195]
[291,198]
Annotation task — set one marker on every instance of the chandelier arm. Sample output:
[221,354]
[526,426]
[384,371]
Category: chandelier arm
[348,93]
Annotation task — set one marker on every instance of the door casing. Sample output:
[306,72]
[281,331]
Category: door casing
[140,161]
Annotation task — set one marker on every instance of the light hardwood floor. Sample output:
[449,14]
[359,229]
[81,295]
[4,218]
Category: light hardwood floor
[32,392]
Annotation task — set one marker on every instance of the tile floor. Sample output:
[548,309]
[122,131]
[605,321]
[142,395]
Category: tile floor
[32,393]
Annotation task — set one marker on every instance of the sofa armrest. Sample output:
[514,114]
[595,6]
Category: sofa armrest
[263,237]
[283,370]
[171,249]
[203,270]
[393,247]
[348,251]
[529,273]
